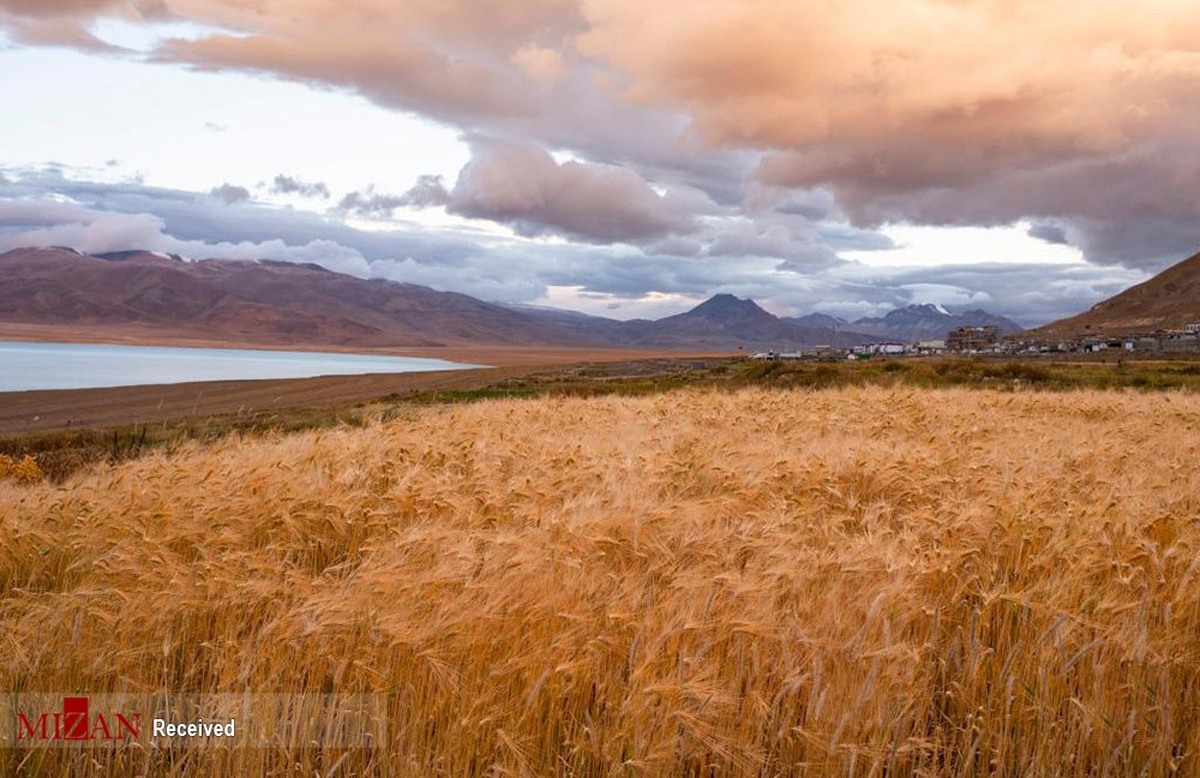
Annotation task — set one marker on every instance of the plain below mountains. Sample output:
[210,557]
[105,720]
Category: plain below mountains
[303,304]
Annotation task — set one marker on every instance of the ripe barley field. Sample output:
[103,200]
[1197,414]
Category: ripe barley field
[859,581]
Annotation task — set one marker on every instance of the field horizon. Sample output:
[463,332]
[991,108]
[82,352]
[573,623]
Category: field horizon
[867,579]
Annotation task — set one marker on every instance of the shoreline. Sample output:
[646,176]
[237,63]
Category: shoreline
[496,355]
[49,410]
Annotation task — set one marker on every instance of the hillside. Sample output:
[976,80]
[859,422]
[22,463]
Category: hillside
[820,320]
[1169,301]
[267,301]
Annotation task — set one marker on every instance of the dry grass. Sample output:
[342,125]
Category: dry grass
[24,470]
[866,581]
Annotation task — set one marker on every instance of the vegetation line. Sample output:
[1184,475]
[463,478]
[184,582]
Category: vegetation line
[58,454]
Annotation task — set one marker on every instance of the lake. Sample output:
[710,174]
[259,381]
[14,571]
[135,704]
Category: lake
[25,366]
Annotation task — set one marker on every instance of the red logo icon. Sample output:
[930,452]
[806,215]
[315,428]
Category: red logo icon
[75,722]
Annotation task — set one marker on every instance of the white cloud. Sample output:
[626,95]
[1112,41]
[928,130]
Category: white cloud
[47,208]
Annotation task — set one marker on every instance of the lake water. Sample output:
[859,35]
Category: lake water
[25,366]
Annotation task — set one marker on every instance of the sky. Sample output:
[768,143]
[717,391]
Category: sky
[619,158]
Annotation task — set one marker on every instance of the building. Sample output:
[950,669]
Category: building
[886,349]
[983,338]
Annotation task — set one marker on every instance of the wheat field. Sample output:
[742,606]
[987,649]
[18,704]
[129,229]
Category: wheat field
[863,581]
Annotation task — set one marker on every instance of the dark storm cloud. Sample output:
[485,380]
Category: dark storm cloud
[1137,209]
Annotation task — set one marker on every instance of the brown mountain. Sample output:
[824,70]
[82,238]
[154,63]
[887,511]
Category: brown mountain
[730,321]
[1169,300]
[253,301]
[294,304]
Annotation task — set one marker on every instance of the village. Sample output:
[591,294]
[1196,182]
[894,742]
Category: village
[983,340]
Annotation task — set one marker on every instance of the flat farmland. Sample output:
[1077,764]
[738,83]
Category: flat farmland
[858,580]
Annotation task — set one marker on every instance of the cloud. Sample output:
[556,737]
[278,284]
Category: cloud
[91,232]
[542,65]
[56,22]
[946,295]
[773,240]
[288,185]
[520,184]
[965,87]
[513,71]
[1135,209]
[428,192]
[1031,293]
[370,204]
[1050,233]
[975,112]
[42,8]
[44,198]
[1078,113]
[230,194]
[676,246]
[442,58]
[788,269]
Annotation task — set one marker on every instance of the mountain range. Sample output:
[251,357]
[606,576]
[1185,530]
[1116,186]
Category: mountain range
[923,321]
[241,300]
[284,303]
